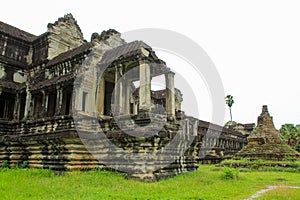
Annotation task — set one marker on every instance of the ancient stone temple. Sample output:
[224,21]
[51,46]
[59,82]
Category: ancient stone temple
[264,142]
[71,104]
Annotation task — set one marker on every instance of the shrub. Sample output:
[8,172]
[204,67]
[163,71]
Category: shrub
[24,164]
[4,164]
[230,173]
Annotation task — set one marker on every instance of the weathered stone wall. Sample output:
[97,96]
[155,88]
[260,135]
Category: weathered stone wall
[55,144]
[13,48]
[51,143]
[39,50]
[145,158]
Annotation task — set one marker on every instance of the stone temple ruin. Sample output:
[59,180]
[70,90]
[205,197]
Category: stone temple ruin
[264,143]
[59,92]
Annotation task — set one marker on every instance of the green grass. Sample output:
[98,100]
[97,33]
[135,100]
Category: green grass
[295,163]
[281,193]
[265,165]
[206,183]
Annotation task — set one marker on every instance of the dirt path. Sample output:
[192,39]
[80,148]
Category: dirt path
[261,192]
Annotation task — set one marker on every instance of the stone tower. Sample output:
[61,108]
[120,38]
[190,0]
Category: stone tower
[264,142]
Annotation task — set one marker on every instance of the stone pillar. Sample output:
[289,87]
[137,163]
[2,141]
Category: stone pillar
[170,97]
[17,107]
[77,101]
[59,95]
[46,99]
[27,103]
[135,108]
[121,92]
[4,46]
[44,103]
[118,96]
[195,128]
[145,87]
[127,97]
[100,96]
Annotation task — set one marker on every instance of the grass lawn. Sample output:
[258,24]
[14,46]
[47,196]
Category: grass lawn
[206,183]
[281,193]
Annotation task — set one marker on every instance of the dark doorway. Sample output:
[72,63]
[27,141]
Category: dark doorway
[51,104]
[2,108]
[7,102]
[22,105]
[68,103]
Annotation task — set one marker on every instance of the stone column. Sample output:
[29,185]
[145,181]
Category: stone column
[145,87]
[127,97]
[4,46]
[17,107]
[27,103]
[195,128]
[187,126]
[118,96]
[59,95]
[121,91]
[135,108]
[100,96]
[170,97]
[44,103]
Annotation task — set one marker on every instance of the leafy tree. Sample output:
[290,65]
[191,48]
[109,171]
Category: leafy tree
[229,101]
[227,124]
[298,127]
[291,135]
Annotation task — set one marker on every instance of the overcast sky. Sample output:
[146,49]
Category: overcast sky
[255,44]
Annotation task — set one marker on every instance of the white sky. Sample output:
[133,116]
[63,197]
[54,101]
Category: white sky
[255,44]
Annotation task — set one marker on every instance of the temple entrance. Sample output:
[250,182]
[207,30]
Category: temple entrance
[6,106]
[109,87]
[37,105]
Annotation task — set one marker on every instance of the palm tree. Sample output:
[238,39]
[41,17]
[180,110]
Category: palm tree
[291,135]
[229,102]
